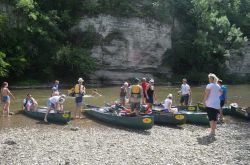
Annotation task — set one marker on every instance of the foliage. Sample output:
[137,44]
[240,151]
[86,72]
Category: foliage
[73,61]
[204,44]
[37,42]
[41,29]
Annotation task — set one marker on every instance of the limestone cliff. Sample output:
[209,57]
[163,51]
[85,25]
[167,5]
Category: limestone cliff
[129,47]
[239,62]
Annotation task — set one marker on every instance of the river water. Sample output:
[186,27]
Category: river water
[236,93]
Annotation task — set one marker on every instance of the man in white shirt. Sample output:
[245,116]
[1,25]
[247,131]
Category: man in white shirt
[185,93]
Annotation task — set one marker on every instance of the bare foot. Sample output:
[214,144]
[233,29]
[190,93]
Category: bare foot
[45,120]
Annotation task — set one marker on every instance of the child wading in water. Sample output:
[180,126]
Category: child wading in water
[5,92]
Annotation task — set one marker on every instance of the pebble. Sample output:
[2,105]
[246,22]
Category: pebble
[108,145]
[74,128]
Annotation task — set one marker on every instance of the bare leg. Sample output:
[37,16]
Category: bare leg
[221,115]
[7,109]
[76,110]
[4,108]
[35,107]
[213,126]
[46,115]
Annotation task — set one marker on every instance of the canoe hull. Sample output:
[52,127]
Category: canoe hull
[136,122]
[62,118]
[192,116]
[199,118]
[169,118]
[239,112]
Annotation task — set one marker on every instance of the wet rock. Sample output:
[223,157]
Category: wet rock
[10,142]
[11,113]
[74,128]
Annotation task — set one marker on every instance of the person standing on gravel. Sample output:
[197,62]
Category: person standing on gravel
[223,99]
[212,101]
[185,93]
[135,96]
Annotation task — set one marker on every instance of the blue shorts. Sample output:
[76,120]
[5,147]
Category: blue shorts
[6,99]
[51,105]
[78,99]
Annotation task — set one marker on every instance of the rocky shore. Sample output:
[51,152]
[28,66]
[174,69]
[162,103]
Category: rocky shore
[101,144]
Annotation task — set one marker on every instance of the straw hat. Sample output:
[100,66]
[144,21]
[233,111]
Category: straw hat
[62,99]
[170,96]
[80,80]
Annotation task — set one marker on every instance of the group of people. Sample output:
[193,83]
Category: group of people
[55,101]
[139,92]
[143,92]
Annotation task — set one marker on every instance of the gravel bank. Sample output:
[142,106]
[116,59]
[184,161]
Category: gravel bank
[106,145]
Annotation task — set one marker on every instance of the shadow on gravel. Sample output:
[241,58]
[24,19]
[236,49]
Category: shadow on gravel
[171,126]
[206,140]
[42,122]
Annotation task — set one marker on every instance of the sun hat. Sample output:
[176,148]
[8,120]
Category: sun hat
[80,80]
[170,95]
[61,100]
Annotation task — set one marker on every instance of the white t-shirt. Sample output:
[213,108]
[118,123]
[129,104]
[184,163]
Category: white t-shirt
[54,99]
[167,103]
[185,89]
[213,100]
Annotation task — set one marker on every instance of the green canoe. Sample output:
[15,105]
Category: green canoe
[226,109]
[194,116]
[199,118]
[135,122]
[53,116]
[240,112]
[162,117]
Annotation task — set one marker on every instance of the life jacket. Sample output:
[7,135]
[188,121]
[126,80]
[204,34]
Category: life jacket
[136,91]
[77,89]
[27,100]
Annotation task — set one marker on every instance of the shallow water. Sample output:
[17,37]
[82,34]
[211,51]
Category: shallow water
[236,93]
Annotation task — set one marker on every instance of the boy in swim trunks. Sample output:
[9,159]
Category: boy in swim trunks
[5,92]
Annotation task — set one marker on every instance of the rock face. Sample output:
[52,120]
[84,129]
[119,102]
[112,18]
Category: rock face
[239,62]
[129,46]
